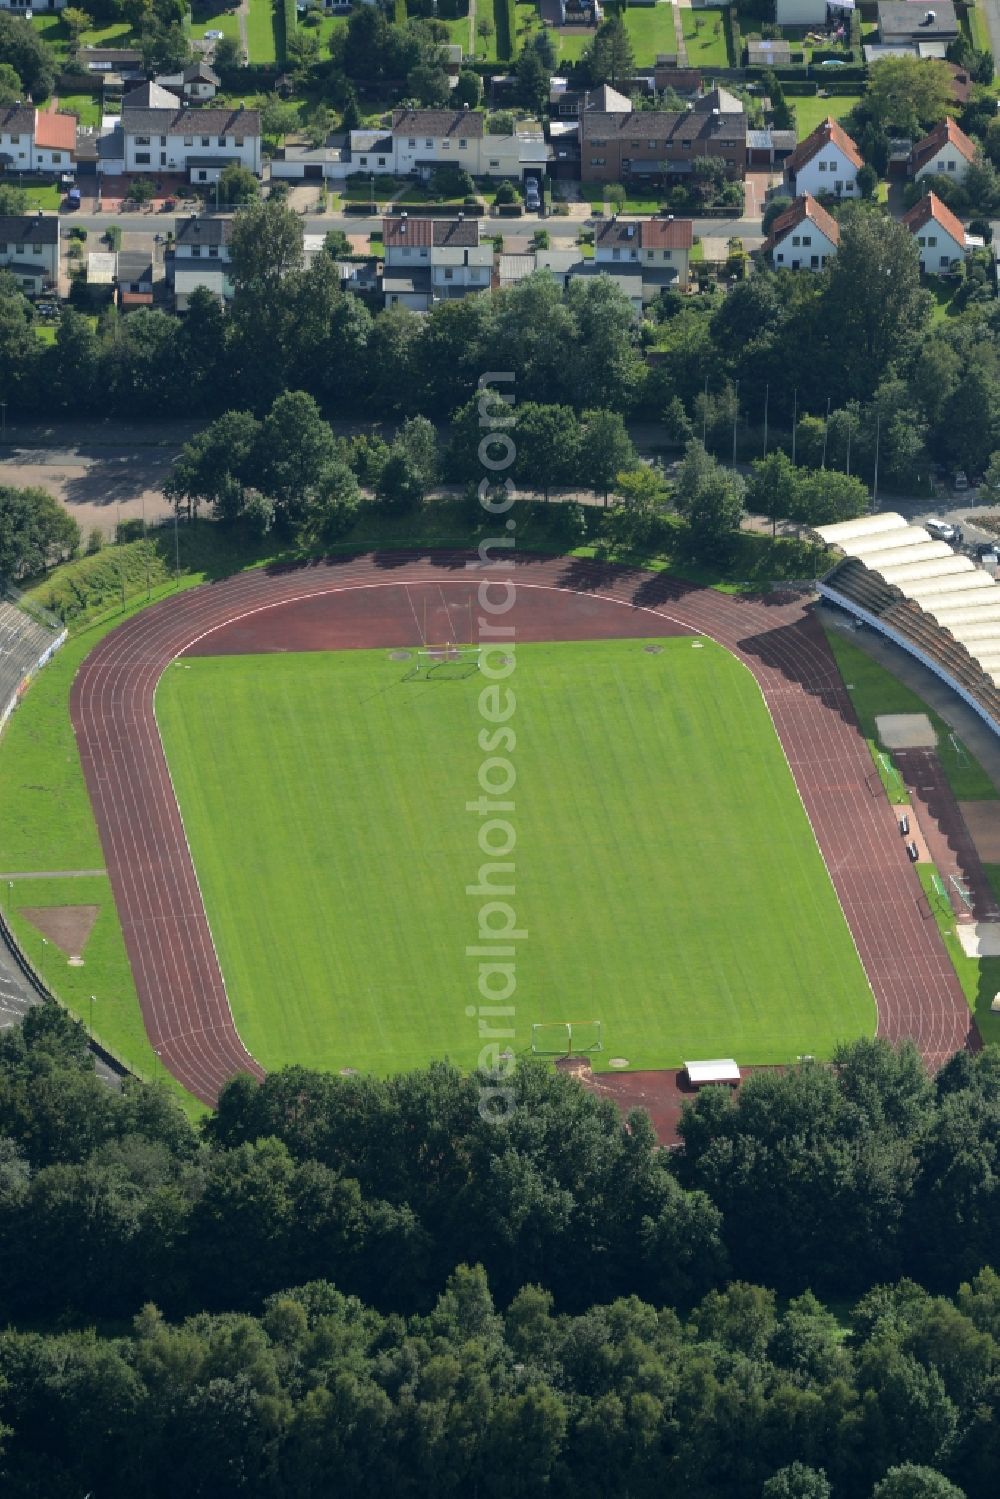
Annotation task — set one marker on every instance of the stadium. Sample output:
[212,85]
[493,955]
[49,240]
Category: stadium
[280,768]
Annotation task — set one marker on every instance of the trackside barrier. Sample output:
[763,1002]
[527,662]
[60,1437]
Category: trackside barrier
[29,676]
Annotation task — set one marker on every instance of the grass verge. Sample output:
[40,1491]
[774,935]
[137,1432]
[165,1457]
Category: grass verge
[979,977]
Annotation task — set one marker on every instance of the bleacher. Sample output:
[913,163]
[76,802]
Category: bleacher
[925,597]
[24,639]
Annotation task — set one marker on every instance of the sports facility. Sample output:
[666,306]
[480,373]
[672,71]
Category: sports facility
[706,863]
[324,798]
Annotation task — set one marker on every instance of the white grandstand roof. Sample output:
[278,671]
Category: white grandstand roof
[962,598]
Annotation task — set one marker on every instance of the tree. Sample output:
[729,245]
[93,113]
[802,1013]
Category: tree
[773,487]
[366,39]
[336,244]
[296,448]
[35,532]
[429,84]
[13,200]
[11,87]
[278,118]
[824,496]
[909,1481]
[228,54]
[302,50]
[874,309]
[532,79]
[217,465]
[333,505]
[909,93]
[711,500]
[76,22]
[23,49]
[399,486]
[989,489]
[611,59]
[775,208]
[605,450]
[417,439]
[797,1482]
[266,245]
[468,89]
[165,49]
[867,180]
[547,440]
[141,190]
[237,184]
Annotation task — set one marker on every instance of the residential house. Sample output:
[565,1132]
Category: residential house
[939,234]
[126,62]
[160,135]
[33,7]
[946,152]
[200,258]
[433,260]
[135,279]
[36,140]
[567,103]
[29,250]
[424,139]
[804,237]
[660,248]
[654,144]
[195,85]
[904,22]
[827,161]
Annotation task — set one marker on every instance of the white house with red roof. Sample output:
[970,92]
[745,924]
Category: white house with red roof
[940,236]
[827,161]
[946,152]
[36,140]
[804,237]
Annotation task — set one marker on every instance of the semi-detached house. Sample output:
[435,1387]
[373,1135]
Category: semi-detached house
[159,135]
[663,144]
[29,250]
[434,260]
[36,140]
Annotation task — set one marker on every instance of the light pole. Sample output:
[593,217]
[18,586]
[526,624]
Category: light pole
[3,421]
[177,548]
[736,417]
[878,431]
[92,997]
[795,418]
[767,396]
[371,195]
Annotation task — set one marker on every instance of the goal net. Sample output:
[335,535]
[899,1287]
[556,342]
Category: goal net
[564,1038]
[443,663]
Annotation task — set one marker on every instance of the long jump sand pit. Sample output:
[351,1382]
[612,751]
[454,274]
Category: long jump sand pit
[901,731]
[983,822]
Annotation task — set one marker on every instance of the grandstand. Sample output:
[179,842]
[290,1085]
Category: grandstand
[919,593]
[27,640]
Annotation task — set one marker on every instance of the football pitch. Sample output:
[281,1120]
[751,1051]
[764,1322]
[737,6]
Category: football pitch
[666,876]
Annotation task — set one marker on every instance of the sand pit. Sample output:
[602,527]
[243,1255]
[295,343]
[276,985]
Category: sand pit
[983,822]
[68,927]
[906,731]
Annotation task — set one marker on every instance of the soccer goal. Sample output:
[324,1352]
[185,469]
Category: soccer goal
[566,1038]
[444,663]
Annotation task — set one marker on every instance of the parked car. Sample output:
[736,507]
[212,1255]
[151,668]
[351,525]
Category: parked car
[988,551]
[73,198]
[961,479]
[532,198]
[941,530]
[214,36]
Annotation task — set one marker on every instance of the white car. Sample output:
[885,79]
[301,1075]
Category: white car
[214,36]
[941,530]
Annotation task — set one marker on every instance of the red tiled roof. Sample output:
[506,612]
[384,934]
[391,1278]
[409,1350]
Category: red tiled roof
[945,134]
[828,131]
[56,131]
[931,207]
[804,208]
[666,234]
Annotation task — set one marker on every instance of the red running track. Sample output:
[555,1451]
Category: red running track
[380,600]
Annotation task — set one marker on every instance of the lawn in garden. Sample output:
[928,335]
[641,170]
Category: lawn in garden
[705,38]
[810,112]
[262,24]
[666,877]
[651,31]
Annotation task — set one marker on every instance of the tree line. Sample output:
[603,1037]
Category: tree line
[362,1281]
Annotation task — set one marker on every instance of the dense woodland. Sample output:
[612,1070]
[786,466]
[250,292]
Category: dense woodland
[350,1285]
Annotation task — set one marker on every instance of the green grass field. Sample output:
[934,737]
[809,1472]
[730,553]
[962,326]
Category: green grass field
[263,22]
[810,112]
[704,37]
[666,875]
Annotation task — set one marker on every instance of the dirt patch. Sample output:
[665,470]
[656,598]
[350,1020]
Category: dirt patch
[68,927]
[983,821]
